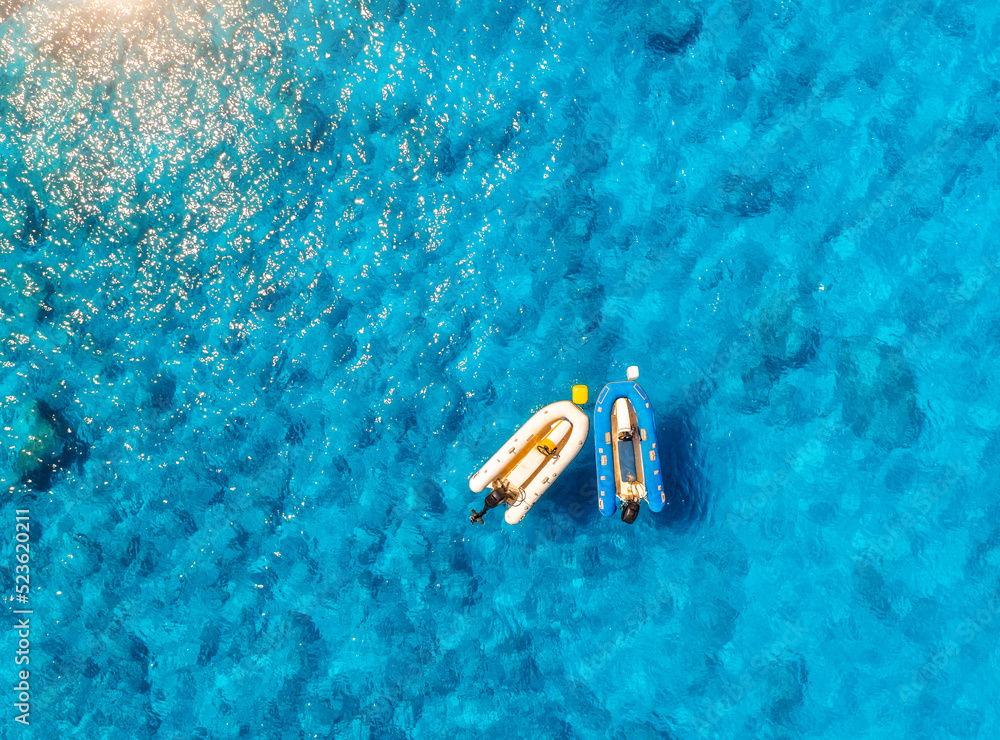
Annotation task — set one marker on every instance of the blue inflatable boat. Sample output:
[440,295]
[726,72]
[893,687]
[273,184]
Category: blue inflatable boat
[628,460]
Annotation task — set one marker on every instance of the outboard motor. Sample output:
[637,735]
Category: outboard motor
[495,497]
[630,510]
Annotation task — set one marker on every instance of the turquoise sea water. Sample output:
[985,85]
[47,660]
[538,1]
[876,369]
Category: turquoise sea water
[276,278]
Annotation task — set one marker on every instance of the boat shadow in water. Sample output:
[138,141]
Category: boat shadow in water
[683,481]
[569,507]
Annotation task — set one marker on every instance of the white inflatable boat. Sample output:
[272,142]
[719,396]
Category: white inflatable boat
[530,461]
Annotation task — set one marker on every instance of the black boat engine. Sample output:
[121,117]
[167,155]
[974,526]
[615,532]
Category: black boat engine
[630,510]
[495,497]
